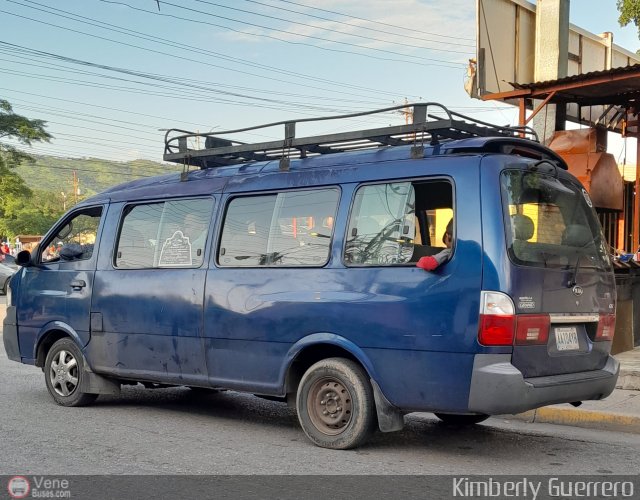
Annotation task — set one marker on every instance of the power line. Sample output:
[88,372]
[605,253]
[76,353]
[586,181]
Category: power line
[93,171]
[359,26]
[95,106]
[81,146]
[155,78]
[318,27]
[21,50]
[39,108]
[288,33]
[315,7]
[84,138]
[180,96]
[93,121]
[75,117]
[64,152]
[137,34]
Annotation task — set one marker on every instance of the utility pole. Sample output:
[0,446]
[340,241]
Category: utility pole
[408,114]
[75,187]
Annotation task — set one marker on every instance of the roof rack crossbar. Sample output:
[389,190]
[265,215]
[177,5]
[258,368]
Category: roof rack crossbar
[426,127]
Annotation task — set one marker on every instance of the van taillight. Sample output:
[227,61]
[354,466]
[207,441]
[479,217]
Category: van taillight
[532,329]
[606,327]
[497,319]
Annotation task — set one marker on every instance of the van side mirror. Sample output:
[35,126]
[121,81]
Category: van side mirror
[65,231]
[23,258]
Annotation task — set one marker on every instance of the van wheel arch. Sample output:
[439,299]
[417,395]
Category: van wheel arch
[45,344]
[308,357]
[389,417]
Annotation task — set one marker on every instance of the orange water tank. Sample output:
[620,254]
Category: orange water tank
[597,170]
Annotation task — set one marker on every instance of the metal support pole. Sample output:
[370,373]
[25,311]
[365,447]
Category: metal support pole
[636,201]
[522,116]
[539,108]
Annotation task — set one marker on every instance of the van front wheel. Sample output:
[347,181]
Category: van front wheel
[63,372]
[335,404]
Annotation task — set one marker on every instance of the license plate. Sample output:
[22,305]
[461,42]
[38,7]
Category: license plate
[567,338]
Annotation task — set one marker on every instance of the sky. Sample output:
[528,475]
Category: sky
[110,77]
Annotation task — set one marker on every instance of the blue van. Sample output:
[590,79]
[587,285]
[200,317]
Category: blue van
[443,266]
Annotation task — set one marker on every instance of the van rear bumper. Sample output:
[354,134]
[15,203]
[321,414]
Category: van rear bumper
[498,387]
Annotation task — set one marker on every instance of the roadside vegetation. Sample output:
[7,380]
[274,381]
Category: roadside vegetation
[35,190]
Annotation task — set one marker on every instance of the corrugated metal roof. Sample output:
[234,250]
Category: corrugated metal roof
[584,77]
[615,86]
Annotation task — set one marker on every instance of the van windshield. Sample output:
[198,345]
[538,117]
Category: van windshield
[551,222]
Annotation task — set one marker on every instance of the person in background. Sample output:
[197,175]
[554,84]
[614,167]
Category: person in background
[431,262]
[5,248]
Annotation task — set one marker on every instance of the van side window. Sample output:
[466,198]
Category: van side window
[75,240]
[397,223]
[287,229]
[167,234]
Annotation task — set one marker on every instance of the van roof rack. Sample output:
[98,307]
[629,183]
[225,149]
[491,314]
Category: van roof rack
[429,126]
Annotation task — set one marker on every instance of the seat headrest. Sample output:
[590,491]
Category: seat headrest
[577,235]
[523,227]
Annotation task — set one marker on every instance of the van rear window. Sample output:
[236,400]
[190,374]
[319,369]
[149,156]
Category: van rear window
[550,222]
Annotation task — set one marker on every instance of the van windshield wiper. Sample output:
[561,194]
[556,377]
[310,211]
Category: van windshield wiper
[572,282]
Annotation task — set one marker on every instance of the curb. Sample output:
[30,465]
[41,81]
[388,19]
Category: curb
[628,379]
[607,421]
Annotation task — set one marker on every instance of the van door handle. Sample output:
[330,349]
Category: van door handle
[78,284]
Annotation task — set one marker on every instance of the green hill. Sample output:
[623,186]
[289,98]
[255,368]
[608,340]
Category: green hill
[55,174]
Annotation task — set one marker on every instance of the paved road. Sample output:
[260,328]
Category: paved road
[179,431]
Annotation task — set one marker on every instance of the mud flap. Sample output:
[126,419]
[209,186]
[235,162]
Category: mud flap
[92,383]
[390,418]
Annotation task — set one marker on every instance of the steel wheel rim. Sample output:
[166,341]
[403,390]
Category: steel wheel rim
[329,405]
[63,373]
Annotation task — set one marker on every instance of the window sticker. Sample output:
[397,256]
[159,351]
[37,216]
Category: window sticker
[176,251]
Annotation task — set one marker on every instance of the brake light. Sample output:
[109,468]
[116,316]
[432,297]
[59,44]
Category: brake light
[497,319]
[606,327]
[532,329]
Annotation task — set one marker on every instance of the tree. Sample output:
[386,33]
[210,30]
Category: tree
[629,13]
[21,211]
[21,129]
[33,214]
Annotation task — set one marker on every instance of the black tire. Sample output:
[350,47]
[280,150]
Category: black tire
[335,404]
[63,374]
[460,419]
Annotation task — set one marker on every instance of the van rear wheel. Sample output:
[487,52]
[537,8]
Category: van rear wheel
[63,373]
[459,419]
[335,404]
